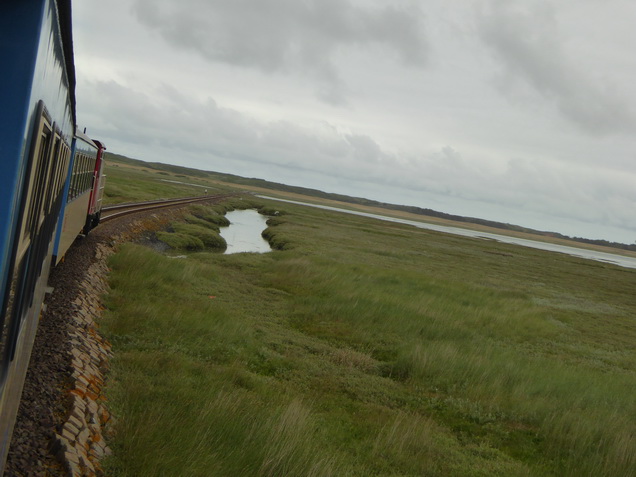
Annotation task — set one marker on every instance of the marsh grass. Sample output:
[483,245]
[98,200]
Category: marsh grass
[370,348]
[209,236]
[133,184]
[209,215]
[179,241]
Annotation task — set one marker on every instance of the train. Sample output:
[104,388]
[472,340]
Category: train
[51,178]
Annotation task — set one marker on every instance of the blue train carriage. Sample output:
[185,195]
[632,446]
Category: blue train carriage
[83,193]
[37,125]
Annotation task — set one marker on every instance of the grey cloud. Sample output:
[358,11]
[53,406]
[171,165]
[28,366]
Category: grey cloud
[365,148]
[286,36]
[525,37]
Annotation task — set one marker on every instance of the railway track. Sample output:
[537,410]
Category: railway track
[115,211]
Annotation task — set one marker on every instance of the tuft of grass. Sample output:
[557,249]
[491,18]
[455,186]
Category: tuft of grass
[181,241]
[276,238]
[210,214]
[208,236]
[271,211]
[192,219]
[273,221]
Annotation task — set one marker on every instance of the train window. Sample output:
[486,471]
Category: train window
[44,178]
[85,174]
[82,175]
[39,169]
[87,161]
[90,173]
[75,176]
[78,174]
[60,162]
[82,186]
[55,171]
[50,186]
[60,156]
[64,167]
[59,168]
[76,166]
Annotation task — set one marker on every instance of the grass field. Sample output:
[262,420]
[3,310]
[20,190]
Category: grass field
[361,347]
[125,183]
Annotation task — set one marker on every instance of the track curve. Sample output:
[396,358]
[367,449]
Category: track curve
[115,211]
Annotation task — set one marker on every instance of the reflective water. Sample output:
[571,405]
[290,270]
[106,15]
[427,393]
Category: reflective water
[244,232]
[623,261]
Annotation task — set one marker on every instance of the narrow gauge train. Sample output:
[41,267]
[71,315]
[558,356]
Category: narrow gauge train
[51,178]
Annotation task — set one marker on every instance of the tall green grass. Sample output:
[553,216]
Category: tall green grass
[370,348]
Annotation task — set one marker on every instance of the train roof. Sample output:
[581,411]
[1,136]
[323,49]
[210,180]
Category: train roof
[80,135]
[66,32]
[92,142]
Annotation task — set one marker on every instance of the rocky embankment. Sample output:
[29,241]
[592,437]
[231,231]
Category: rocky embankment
[81,444]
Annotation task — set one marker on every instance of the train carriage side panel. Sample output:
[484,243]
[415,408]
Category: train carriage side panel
[36,128]
[65,194]
[79,187]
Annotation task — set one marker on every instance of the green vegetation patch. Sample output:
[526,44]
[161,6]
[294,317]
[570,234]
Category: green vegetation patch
[276,239]
[271,211]
[181,241]
[192,237]
[209,214]
[128,182]
[370,348]
[192,219]
[209,236]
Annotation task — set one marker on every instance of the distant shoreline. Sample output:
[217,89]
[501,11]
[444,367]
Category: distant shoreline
[261,185]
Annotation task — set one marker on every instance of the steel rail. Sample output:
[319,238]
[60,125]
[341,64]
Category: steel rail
[126,209]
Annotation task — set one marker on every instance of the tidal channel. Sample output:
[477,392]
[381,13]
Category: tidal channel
[244,232]
[616,259]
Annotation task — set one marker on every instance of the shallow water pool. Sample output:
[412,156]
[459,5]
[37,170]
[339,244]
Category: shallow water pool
[244,232]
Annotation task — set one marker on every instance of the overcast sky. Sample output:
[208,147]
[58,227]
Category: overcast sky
[517,111]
